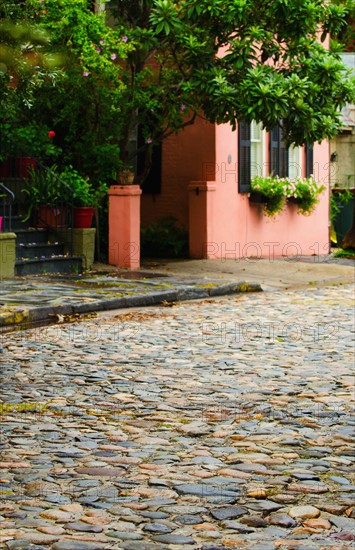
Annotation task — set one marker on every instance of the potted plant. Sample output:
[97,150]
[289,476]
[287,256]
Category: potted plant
[270,192]
[126,175]
[86,196]
[47,196]
[304,192]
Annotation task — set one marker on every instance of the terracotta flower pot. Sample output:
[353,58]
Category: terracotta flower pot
[51,216]
[83,217]
[126,177]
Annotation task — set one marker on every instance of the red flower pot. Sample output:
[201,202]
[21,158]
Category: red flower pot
[83,217]
[51,216]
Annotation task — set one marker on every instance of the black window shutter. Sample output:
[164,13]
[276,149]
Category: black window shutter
[309,160]
[244,157]
[283,172]
[278,154]
[274,151]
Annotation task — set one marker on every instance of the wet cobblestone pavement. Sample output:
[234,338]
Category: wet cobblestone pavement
[33,299]
[220,423]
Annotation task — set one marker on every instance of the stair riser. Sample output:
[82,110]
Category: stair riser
[39,251]
[42,267]
[31,237]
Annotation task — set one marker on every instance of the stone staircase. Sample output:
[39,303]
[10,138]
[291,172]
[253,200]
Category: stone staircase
[37,250]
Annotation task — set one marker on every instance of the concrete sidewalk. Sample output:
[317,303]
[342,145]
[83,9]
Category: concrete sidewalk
[25,301]
[270,274]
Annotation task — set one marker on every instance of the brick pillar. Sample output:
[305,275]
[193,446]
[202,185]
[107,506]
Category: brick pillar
[201,219]
[124,226]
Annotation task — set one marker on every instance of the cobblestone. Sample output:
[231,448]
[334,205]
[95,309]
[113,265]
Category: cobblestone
[220,423]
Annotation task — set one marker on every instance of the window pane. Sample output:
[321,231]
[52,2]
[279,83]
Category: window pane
[294,162]
[256,150]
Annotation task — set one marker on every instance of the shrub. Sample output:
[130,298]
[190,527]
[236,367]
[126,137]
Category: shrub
[164,239]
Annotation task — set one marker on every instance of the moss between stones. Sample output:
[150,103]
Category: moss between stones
[14,317]
[22,407]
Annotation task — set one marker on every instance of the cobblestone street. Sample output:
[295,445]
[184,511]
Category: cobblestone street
[220,423]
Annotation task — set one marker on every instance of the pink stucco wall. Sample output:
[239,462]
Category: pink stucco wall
[240,229]
[200,188]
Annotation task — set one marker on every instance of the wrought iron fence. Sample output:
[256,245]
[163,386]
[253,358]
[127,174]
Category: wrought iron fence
[34,195]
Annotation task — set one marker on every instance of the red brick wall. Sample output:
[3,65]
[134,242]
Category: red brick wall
[187,156]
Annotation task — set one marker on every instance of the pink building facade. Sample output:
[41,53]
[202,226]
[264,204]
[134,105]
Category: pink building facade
[201,187]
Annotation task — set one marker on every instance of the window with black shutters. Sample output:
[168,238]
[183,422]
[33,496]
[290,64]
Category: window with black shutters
[278,154]
[244,174]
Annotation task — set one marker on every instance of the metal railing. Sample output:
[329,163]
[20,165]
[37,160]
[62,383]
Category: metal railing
[38,195]
[7,201]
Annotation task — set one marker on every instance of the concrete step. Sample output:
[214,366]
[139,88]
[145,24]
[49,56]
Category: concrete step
[39,250]
[31,236]
[42,266]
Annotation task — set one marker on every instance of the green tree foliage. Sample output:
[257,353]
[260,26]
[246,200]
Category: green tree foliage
[26,62]
[233,59]
[162,63]
[25,55]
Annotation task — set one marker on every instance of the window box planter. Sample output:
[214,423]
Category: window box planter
[257,198]
[293,200]
[272,205]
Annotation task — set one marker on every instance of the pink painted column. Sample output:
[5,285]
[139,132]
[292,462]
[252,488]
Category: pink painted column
[201,218]
[124,226]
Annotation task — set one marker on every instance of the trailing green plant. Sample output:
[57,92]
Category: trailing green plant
[272,190]
[164,239]
[84,192]
[275,191]
[306,191]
